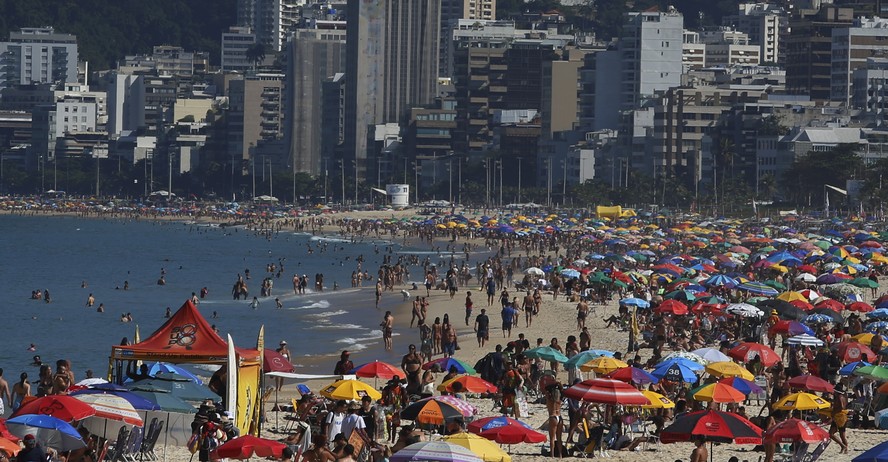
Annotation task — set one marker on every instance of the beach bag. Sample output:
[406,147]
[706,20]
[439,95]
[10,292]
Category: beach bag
[194,443]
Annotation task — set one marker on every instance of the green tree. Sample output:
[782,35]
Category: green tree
[806,178]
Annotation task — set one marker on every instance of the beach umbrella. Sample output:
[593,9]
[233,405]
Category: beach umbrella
[586,356]
[546,353]
[860,307]
[792,296]
[633,375]
[10,448]
[247,446]
[758,288]
[350,390]
[721,280]
[729,369]
[714,426]
[470,384]
[657,400]
[112,407]
[90,382]
[806,277]
[797,328]
[811,383]
[744,310]
[506,430]
[719,393]
[446,363]
[744,386]
[182,388]
[672,307]
[783,308]
[877,453]
[864,282]
[534,271]
[636,302]
[607,391]
[801,401]
[866,338]
[434,451]
[603,365]
[675,371]
[877,326]
[570,273]
[138,402]
[805,340]
[377,370]
[166,401]
[834,305]
[815,318]
[480,446]
[745,351]
[849,368]
[850,351]
[49,431]
[711,355]
[62,407]
[872,371]
[430,412]
[160,367]
[272,361]
[837,318]
[690,356]
[5,433]
[878,313]
[793,431]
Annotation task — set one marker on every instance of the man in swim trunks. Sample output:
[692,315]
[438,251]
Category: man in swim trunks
[411,363]
[582,312]
[388,322]
[482,327]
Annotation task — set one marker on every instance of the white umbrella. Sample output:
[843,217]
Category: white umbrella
[91,382]
[712,355]
[534,270]
[580,262]
[744,310]
[806,277]
[686,355]
[805,340]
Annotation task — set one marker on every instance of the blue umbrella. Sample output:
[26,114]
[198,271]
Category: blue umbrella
[183,389]
[168,368]
[637,302]
[585,356]
[849,368]
[677,370]
[570,273]
[165,400]
[878,453]
[875,327]
[546,353]
[816,318]
[758,288]
[49,431]
[881,313]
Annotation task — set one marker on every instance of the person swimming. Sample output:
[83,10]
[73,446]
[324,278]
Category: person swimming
[33,348]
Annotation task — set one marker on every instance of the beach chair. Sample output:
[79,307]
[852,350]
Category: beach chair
[131,451]
[150,440]
[116,449]
[103,451]
[146,440]
[816,453]
[291,417]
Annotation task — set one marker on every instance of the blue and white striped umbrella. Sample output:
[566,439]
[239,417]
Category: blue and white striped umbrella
[878,326]
[758,288]
[817,319]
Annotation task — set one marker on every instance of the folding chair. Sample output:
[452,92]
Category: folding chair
[116,449]
[135,444]
[142,450]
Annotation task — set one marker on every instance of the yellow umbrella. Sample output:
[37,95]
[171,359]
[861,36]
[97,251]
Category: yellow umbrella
[802,402]
[603,365]
[658,401]
[350,390]
[792,296]
[865,338]
[482,447]
[729,369]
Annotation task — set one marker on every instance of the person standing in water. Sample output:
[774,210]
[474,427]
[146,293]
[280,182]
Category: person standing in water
[255,303]
[388,322]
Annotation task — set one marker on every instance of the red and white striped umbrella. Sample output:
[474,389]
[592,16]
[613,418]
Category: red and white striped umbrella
[112,407]
[607,391]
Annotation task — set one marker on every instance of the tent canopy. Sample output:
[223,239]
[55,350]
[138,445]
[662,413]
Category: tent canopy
[184,338]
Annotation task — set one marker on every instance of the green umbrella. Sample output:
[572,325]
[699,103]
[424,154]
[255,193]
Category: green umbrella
[620,283]
[586,356]
[864,282]
[166,400]
[754,300]
[876,372]
[182,389]
[599,278]
[546,353]
[775,284]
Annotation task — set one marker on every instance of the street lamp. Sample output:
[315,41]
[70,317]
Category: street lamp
[342,175]
[519,180]
[500,165]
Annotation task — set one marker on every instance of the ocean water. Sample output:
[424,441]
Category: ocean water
[60,253]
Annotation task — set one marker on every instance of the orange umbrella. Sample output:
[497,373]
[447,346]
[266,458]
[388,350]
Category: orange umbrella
[9,448]
[470,384]
[719,393]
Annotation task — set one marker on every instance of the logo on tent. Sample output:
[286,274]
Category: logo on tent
[184,335]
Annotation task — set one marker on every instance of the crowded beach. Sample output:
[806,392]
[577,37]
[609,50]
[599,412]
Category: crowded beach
[573,336]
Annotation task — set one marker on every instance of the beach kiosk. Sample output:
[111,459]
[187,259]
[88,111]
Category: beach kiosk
[187,338]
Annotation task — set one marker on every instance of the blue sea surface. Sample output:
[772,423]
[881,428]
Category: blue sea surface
[60,253]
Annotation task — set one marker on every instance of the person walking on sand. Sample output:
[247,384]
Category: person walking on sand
[388,322]
[482,327]
[582,312]
[469,305]
[508,314]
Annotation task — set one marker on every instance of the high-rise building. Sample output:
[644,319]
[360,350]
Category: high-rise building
[270,20]
[727,47]
[38,55]
[235,44]
[255,113]
[767,25]
[392,65]
[650,54]
[851,47]
[451,12]
[314,55]
[809,50]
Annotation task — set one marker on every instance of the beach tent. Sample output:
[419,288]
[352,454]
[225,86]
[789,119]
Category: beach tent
[187,337]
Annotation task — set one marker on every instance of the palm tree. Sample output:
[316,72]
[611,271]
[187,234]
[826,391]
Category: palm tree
[256,53]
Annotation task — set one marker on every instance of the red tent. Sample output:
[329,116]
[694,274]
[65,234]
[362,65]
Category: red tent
[185,338]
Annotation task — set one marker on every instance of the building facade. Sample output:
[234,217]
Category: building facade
[37,55]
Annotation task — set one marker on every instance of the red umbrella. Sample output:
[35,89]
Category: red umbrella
[802,304]
[745,351]
[506,430]
[718,426]
[831,304]
[851,351]
[377,370]
[272,361]
[672,307]
[793,430]
[860,307]
[244,447]
[62,407]
[4,432]
[807,269]
[811,383]
[607,391]
[714,308]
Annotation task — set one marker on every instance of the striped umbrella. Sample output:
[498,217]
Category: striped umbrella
[112,407]
[435,451]
[607,391]
[805,340]
[758,288]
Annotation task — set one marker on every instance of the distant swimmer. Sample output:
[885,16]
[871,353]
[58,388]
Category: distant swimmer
[168,313]
[90,301]
[101,308]
[194,298]
[126,284]
[32,347]
[215,315]
[255,303]
[277,302]
[161,281]
[83,284]
[46,295]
